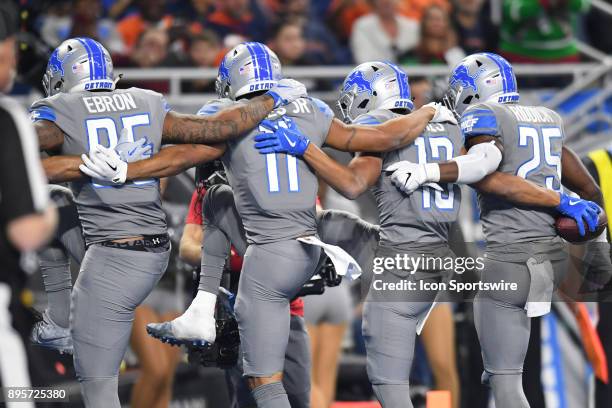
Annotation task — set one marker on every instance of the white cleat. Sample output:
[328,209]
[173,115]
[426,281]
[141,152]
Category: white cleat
[185,330]
[195,327]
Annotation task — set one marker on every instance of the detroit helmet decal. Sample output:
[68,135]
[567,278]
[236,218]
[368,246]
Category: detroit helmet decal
[56,64]
[462,76]
[356,79]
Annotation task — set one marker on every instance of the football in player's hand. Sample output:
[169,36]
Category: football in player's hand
[568,229]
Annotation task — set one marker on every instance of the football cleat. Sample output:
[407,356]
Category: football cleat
[166,333]
[46,333]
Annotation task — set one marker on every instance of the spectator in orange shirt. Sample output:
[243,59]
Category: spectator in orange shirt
[239,17]
[415,9]
[151,13]
[342,14]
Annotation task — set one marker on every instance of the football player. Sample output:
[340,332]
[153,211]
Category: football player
[416,224]
[124,227]
[522,245]
[275,196]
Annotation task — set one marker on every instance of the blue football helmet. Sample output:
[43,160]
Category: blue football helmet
[248,67]
[79,64]
[482,77]
[374,85]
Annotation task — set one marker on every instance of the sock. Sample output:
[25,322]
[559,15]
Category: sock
[393,395]
[55,271]
[100,392]
[508,390]
[271,395]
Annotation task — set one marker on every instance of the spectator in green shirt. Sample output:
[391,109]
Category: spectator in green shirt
[540,30]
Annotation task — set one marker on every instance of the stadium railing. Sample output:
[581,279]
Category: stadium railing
[584,76]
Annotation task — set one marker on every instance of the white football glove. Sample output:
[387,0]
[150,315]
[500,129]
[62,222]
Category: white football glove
[286,91]
[443,114]
[133,151]
[105,164]
[408,176]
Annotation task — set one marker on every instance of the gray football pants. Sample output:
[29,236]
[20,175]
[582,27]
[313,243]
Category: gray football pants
[222,224]
[296,373]
[389,330]
[112,282]
[503,329]
[54,259]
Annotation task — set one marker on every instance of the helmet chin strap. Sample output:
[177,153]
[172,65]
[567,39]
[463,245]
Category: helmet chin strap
[119,77]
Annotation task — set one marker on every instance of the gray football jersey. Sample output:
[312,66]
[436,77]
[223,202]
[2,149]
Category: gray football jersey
[107,211]
[276,194]
[426,215]
[532,138]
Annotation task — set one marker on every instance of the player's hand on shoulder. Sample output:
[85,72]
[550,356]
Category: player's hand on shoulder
[133,151]
[286,91]
[104,163]
[443,114]
[281,140]
[408,176]
[581,211]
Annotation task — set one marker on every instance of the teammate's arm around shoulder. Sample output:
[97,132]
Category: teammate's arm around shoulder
[173,160]
[230,122]
[351,180]
[387,136]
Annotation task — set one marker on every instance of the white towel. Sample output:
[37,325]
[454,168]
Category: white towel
[540,289]
[345,265]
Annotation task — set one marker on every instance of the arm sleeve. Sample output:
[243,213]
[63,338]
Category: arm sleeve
[23,186]
[479,121]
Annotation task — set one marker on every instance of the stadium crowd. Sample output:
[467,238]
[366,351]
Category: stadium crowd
[197,33]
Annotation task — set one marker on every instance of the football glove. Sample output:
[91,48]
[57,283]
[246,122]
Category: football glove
[282,140]
[443,114]
[130,152]
[408,176]
[286,91]
[104,163]
[580,210]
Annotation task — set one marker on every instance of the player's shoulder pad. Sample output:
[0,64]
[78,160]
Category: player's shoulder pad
[43,109]
[323,107]
[213,106]
[479,120]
